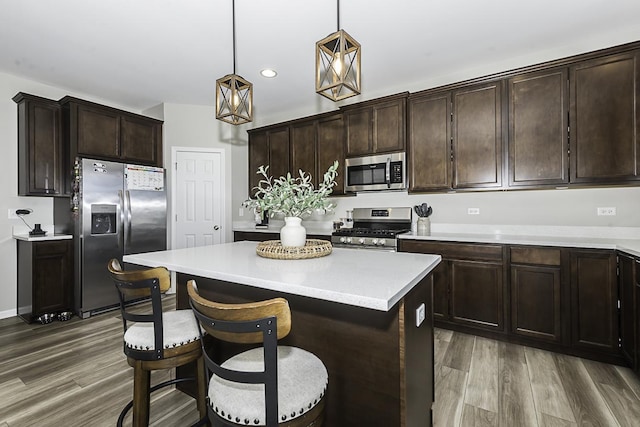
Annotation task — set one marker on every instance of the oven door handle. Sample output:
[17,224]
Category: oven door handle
[387,174]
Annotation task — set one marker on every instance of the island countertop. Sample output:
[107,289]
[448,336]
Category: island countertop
[363,278]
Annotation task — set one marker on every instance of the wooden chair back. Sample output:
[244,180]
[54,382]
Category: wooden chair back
[243,312]
[136,284]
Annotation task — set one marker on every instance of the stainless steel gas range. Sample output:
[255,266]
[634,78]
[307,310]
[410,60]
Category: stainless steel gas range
[374,228]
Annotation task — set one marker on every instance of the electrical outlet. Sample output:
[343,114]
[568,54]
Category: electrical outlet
[12,214]
[421,314]
[240,212]
[473,211]
[606,211]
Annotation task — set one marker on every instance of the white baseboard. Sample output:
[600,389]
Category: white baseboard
[8,313]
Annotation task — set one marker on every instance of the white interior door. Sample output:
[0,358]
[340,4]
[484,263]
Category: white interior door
[199,198]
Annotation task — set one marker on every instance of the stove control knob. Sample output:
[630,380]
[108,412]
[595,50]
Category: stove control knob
[374,241]
[381,242]
[361,241]
[348,239]
[343,239]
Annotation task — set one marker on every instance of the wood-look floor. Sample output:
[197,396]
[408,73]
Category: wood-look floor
[482,382]
[75,374]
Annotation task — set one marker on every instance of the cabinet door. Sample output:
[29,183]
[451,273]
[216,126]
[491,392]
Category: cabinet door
[40,151]
[331,148]
[359,133]
[594,300]
[389,126]
[628,314]
[303,149]
[537,293]
[441,291]
[98,132]
[52,277]
[476,294]
[477,136]
[258,156]
[141,140]
[538,139]
[430,142]
[279,153]
[636,321]
[604,120]
[535,302]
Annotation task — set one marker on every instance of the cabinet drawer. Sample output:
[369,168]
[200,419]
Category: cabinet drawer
[536,256]
[462,251]
[51,248]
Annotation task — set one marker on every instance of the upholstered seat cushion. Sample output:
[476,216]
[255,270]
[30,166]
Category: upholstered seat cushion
[179,327]
[302,382]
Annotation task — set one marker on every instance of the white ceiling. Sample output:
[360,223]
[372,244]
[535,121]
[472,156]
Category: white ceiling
[140,53]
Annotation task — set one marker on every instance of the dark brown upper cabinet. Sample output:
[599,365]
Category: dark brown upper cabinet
[377,126]
[477,136]
[97,131]
[429,147]
[604,120]
[538,138]
[40,148]
[455,138]
[330,147]
[311,144]
[268,147]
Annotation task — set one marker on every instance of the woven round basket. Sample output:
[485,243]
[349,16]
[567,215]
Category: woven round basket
[313,248]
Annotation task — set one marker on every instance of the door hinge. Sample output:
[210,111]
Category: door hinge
[176,217]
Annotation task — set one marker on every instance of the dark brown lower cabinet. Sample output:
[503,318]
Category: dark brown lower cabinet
[594,300]
[637,317]
[258,236]
[556,298]
[469,284]
[45,278]
[476,294]
[536,293]
[628,314]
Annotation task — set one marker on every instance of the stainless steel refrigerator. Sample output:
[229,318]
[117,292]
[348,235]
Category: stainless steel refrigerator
[116,209]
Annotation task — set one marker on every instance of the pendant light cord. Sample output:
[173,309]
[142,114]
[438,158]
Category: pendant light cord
[338,15]
[233,14]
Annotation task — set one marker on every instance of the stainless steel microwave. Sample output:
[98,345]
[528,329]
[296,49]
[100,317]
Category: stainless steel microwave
[377,172]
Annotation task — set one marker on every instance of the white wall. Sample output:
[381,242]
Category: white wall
[196,126]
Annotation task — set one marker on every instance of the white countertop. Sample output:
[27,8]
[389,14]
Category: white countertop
[631,246]
[369,279]
[48,236]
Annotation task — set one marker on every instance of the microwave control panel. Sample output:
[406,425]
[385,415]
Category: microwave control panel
[397,173]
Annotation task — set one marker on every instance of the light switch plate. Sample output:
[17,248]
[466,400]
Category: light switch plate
[421,313]
[473,211]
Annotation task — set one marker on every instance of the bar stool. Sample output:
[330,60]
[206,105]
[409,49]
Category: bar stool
[155,340]
[270,385]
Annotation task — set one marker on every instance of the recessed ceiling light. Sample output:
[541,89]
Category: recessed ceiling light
[268,73]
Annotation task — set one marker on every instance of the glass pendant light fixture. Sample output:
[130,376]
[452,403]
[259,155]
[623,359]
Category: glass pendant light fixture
[234,95]
[338,65]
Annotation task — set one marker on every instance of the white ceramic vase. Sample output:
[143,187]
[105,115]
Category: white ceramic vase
[293,233]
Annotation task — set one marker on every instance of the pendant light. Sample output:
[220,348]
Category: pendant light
[338,65]
[234,95]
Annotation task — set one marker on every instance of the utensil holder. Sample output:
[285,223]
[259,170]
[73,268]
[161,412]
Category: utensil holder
[423,226]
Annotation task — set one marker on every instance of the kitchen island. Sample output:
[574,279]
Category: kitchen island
[358,311]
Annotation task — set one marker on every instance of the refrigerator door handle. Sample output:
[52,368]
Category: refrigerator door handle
[127,240]
[121,232]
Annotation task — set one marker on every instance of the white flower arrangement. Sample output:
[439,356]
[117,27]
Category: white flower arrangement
[293,197]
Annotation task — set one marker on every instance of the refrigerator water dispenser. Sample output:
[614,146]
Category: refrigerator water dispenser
[103,219]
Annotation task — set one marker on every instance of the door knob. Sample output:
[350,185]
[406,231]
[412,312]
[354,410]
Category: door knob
[216,228]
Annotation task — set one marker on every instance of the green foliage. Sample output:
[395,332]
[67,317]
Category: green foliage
[292,196]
